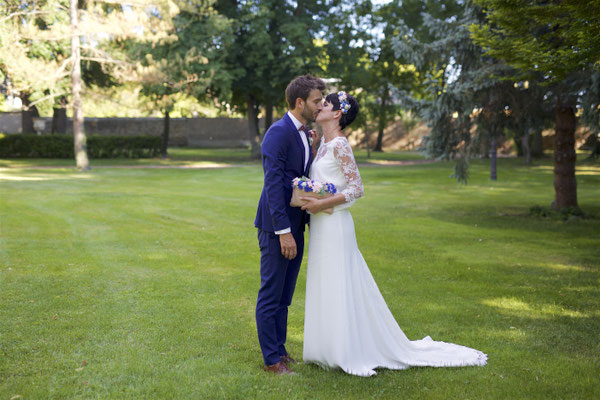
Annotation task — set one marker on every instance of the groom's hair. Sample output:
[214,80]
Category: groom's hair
[300,87]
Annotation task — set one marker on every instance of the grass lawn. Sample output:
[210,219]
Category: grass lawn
[141,283]
[177,156]
[191,157]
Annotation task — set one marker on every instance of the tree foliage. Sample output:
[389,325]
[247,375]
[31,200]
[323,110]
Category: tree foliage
[273,41]
[557,41]
[187,60]
[35,58]
[554,38]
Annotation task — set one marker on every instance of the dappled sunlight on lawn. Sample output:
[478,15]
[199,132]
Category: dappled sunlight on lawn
[511,305]
[512,333]
[588,170]
[191,164]
[12,176]
[582,289]
[486,190]
[579,169]
[176,165]
[565,267]
[156,256]
[393,162]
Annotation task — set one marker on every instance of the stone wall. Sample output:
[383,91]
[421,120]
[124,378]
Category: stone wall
[10,122]
[191,132]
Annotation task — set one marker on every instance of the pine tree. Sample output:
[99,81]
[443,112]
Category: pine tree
[465,98]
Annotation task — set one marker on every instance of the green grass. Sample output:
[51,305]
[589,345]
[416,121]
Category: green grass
[192,157]
[177,156]
[151,276]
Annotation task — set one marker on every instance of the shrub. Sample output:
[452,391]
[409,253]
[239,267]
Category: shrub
[565,214]
[61,146]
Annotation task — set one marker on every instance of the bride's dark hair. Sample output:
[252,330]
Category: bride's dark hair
[348,117]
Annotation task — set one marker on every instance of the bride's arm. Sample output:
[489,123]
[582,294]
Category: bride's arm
[354,189]
[345,158]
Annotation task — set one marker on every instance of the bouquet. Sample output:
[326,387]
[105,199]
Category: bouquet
[304,187]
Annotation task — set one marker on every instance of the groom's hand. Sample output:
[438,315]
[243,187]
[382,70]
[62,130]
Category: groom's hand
[288,245]
[314,140]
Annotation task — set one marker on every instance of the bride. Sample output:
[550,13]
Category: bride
[347,323]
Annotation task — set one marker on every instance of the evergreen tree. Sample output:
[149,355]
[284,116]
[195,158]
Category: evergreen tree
[463,89]
[558,41]
[590,116]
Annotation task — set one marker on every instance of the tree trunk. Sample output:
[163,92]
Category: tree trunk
[367,137]
[485,146]
[254,135]
[165,135]
[79,138]
[537,147]
[27,114]
[594,147]
[565,184]
[59,120]
[493,154]
[382,122]
[526,149]
[519,146]
[268,116]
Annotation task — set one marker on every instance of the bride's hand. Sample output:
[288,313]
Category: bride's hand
[312,205]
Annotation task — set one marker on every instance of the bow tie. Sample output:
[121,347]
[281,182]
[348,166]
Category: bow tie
[303,128]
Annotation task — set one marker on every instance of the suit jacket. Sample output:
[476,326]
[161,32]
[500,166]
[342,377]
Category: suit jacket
[283,160]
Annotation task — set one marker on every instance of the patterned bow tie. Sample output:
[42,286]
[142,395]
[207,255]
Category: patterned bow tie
[303,128]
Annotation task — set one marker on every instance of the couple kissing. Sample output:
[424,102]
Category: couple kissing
[347,323]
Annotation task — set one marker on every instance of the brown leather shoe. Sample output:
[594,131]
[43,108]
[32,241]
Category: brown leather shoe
[279,369]
[288,360]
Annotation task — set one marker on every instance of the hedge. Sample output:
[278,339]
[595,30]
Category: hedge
[61,146]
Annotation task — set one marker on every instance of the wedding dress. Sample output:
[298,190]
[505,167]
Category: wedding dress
[347,322]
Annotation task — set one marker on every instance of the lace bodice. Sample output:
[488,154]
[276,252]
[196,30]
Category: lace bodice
[335,163]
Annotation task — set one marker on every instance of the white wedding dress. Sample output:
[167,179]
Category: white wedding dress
[347,323]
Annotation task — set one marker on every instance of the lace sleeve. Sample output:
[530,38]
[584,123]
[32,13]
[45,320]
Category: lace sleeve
[343,154]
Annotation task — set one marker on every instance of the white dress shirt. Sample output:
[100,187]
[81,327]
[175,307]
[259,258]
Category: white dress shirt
[298,124]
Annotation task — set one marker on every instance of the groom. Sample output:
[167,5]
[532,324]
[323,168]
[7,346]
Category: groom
[286,154]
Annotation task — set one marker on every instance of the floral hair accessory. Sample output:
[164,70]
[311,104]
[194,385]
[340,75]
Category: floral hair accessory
[344,104]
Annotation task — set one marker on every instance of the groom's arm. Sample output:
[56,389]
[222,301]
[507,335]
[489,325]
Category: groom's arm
[274,152]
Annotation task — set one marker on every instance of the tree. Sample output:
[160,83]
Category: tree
[189,60]
[590,115]
[34,36]
[344,58]
[78,134]
[32,69]
[529,115]
[412,17]
[462,89]
[558,40]
[273,42]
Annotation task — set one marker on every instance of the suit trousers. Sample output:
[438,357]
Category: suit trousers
[278,277]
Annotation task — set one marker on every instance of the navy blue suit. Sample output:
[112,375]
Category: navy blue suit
[283,160]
